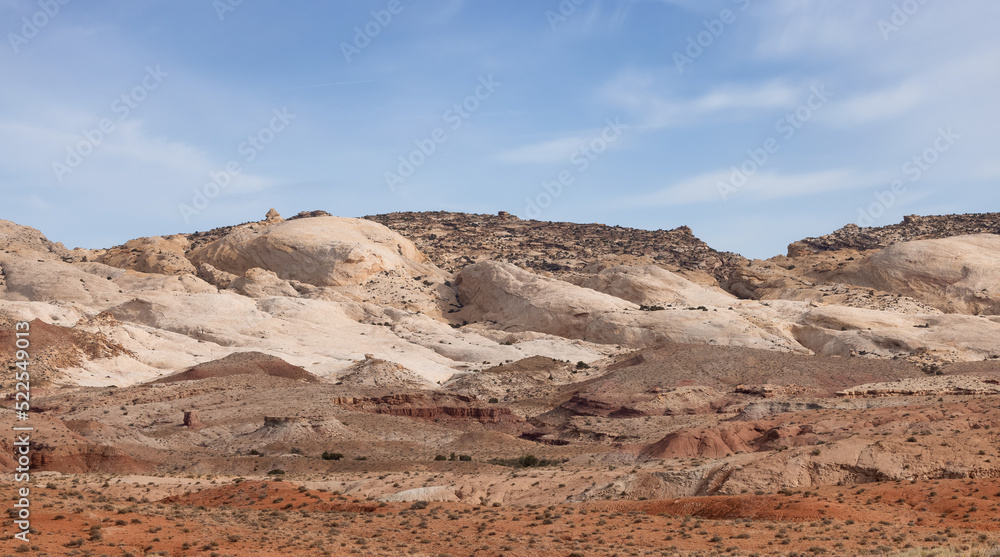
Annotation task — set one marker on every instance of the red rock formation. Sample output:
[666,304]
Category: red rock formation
[429,407]
[192,421]
[87,458]
[710,443]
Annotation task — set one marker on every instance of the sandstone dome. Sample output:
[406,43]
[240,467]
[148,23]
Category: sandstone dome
[960,274]
[323,251]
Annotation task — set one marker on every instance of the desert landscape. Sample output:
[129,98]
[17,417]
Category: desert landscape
[436,383]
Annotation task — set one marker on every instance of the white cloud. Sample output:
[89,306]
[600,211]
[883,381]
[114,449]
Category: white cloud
[729,97]
[798,27]
[552,151]
[561,149]
[876,106]
[641,93]
[709,187]
[123,160]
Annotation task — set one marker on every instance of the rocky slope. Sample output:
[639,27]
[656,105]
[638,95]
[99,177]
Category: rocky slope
[923,265]
[913,227]
[454,240]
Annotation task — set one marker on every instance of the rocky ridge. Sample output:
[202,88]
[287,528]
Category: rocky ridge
[454,240]
[913,227]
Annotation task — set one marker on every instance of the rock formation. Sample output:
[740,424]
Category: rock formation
[453,240]
[273,217]
[243,363]
[959,274]
[192,420]
[913,227]
[322,251]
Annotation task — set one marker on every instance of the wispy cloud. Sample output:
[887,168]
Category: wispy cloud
[876,106]
[128,157]
[642,94]
[797,29]
[705,188]
[554,150]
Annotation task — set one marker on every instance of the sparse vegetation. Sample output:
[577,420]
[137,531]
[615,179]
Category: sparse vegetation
[527,461]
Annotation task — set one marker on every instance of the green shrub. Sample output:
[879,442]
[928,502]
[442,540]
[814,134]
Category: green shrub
[527,461]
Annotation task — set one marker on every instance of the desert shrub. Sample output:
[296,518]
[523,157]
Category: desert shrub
[331,456]
[276,472]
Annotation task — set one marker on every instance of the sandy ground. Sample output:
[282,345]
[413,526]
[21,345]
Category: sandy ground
[91,515]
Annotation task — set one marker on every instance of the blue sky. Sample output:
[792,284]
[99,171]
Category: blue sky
[755,123]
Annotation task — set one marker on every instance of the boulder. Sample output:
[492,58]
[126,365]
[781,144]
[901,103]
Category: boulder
[322,251]
[191,420]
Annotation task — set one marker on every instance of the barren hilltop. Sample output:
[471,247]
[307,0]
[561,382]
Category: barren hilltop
[454,240]
[573,389]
